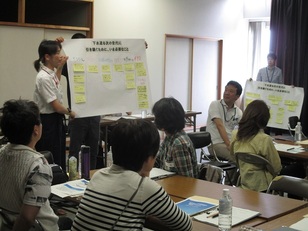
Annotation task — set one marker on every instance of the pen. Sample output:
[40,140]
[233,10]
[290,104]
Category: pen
[213,215]
[289,149]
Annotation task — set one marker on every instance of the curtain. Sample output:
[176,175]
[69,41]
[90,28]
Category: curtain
[258,46]
[289,36]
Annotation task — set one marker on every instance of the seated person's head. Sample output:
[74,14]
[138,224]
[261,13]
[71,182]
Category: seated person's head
[238,87]
[133,142]
[20,121]
[169,115]
[255,117]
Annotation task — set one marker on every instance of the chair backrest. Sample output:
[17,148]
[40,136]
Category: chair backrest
[48,156]
[211,173]
[256,160]
[200,139]
[290,185]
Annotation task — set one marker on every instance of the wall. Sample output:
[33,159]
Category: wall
[149,19]
[152,19]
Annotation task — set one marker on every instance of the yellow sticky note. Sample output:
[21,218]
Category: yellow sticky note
[291,108]
[139,66]
[130,76]
[106,68]
[130,85]
[78,78]
[129,67]
[79,89]
[142,89]
[141,72]
[143,104]
[92,69]
[118,67]
[80,98]
[107,78]
[142,96]
[78,67]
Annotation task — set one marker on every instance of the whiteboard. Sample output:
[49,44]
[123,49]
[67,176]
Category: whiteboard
[284,101]
[107,76]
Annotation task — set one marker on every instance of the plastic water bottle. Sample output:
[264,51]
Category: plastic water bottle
[225,211]
[298,132]
[72,168]
[109,158]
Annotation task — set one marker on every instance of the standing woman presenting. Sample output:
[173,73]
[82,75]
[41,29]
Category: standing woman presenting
[48,96]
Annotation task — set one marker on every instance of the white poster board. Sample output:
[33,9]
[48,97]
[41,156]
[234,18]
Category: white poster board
[284,101]
[107,76]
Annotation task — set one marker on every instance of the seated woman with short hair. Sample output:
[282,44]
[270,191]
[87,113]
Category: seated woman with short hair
[122,196]
[176,153]
[25,174]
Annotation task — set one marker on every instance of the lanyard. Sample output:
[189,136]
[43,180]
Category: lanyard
[225,113]
[270,80]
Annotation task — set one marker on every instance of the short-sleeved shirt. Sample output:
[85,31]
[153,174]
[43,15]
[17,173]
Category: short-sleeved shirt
[177,154]
[26,177]
[230,118]
[47,89]
[270,75]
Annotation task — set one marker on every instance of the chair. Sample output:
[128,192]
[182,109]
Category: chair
[203,139]
[255,160]
[211,173]
[291,185]
[48,156]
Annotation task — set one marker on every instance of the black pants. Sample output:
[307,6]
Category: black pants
[53,137]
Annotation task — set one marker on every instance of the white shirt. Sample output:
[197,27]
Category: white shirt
[230,118]
[47,89]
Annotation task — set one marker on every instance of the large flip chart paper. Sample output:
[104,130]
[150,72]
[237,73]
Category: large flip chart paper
[107,75]
[284,101]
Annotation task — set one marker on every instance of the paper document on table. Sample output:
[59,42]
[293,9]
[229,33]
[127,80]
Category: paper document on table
[288,148]
[300,225]
[71,188]
[158,173]
[196,204]
[239,215]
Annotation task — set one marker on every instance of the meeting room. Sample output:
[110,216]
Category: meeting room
[153,115]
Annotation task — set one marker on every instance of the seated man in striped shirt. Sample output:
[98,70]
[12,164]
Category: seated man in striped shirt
[122,196]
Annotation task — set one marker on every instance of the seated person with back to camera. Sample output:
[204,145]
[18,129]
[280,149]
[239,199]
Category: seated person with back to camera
[26,174]
[250,138]
[120,197]
[176,153]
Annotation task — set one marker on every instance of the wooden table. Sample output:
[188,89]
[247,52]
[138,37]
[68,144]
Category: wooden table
[270,206]
[286,220]
[296,156]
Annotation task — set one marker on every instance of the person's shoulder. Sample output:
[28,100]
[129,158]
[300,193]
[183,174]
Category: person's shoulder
[264,137]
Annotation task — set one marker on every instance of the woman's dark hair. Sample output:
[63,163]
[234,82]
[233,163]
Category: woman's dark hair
[18,120]
[255,117]
[169,115]
[46,47]
[133,142]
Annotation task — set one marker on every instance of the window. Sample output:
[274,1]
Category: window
[258,46]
